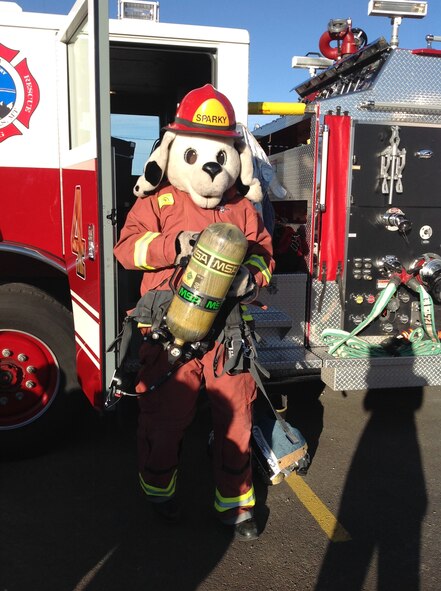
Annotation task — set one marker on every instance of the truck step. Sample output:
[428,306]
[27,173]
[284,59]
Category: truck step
[271,321]
[285,354]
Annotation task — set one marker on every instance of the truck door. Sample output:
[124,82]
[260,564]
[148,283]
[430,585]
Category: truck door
[86,175]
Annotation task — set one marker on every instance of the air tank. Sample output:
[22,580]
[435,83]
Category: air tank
[205,282]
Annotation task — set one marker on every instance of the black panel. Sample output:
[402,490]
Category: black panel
[421,177]
[371,236]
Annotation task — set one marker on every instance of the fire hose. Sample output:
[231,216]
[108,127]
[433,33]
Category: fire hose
[343,344]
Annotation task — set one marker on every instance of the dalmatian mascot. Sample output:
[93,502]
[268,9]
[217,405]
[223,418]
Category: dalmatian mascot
[201,173]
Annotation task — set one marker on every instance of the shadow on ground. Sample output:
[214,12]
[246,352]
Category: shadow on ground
[75,519]
[383,502]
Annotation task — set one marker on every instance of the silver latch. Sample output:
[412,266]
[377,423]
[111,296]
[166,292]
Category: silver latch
[424,154]
[393,161]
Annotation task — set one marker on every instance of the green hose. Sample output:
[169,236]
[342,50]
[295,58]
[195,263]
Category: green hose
[428,314]
[345,345]
[385,297]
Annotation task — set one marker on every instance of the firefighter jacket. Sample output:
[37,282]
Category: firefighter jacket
[148,238]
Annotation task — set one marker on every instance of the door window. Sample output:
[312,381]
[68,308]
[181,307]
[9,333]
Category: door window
[80,116]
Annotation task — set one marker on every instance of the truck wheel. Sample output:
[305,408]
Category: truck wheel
[38,384]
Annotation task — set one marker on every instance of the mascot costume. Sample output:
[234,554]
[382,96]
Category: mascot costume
[200,174]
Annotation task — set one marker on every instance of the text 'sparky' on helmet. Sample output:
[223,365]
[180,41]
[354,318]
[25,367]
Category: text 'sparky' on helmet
[205,111]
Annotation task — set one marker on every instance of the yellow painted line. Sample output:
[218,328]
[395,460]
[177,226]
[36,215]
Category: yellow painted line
[91,575]
[326,520]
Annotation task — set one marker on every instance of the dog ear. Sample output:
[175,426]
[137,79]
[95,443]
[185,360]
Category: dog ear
[154,168]
[248,184]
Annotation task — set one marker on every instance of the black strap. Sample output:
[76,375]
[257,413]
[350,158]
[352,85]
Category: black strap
[236,338]
[339,281]
[247,353]
[122,341]
[150,310]
[255,370]
[322,294]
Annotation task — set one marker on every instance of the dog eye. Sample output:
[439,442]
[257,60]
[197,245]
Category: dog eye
[190,156]
[221,157]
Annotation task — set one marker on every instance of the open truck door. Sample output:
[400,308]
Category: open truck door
[86,173]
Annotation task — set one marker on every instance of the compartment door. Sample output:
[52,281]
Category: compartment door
[84,122]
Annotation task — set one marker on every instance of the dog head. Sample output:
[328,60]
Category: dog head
[201,153]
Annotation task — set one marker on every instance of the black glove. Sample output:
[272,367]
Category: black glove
[243,286]
[184,244]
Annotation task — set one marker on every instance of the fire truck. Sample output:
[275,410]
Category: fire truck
[356,305]
[359,157]
[68,85]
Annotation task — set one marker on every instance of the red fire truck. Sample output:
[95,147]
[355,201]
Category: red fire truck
[69,84]
[355,299]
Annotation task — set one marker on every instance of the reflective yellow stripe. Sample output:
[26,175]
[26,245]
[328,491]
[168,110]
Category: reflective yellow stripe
[259,262]
[222,504]
[246,314]
[155,491]
[141,248]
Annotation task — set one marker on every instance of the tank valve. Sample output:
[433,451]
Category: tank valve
[174,352]
[394,219]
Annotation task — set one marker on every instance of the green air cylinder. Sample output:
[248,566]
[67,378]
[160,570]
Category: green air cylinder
[205,282]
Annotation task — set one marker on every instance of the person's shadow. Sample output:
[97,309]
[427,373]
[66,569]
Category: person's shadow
[383,502]
[76,519]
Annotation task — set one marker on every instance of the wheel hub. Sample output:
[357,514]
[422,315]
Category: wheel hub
[10,375]
[29,378]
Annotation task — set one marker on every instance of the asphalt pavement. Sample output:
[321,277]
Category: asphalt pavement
[364,517]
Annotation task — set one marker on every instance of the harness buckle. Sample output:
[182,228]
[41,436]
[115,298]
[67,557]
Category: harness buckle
[229,345]
[249,351]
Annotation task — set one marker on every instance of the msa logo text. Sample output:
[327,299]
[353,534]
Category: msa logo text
[214,263]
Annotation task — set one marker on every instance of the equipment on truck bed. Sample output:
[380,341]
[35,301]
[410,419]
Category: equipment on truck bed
[361,169]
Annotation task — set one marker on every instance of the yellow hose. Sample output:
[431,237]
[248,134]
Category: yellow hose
[276,108]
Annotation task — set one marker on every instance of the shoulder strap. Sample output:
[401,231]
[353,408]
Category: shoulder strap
[255,370]
[150,310]
[237,337]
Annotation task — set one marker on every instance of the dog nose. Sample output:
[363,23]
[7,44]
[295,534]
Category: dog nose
[212,168]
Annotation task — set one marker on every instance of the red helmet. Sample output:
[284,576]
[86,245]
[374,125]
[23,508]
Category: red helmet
[206,111]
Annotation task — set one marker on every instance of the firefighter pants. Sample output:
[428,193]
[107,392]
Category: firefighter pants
[166,412]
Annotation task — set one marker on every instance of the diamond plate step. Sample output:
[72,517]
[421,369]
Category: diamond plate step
[284,354]
[270,321]
[379,372]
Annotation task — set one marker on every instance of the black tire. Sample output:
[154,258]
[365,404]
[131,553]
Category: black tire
[39,392]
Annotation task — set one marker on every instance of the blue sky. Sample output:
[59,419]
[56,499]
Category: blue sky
[279,29]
